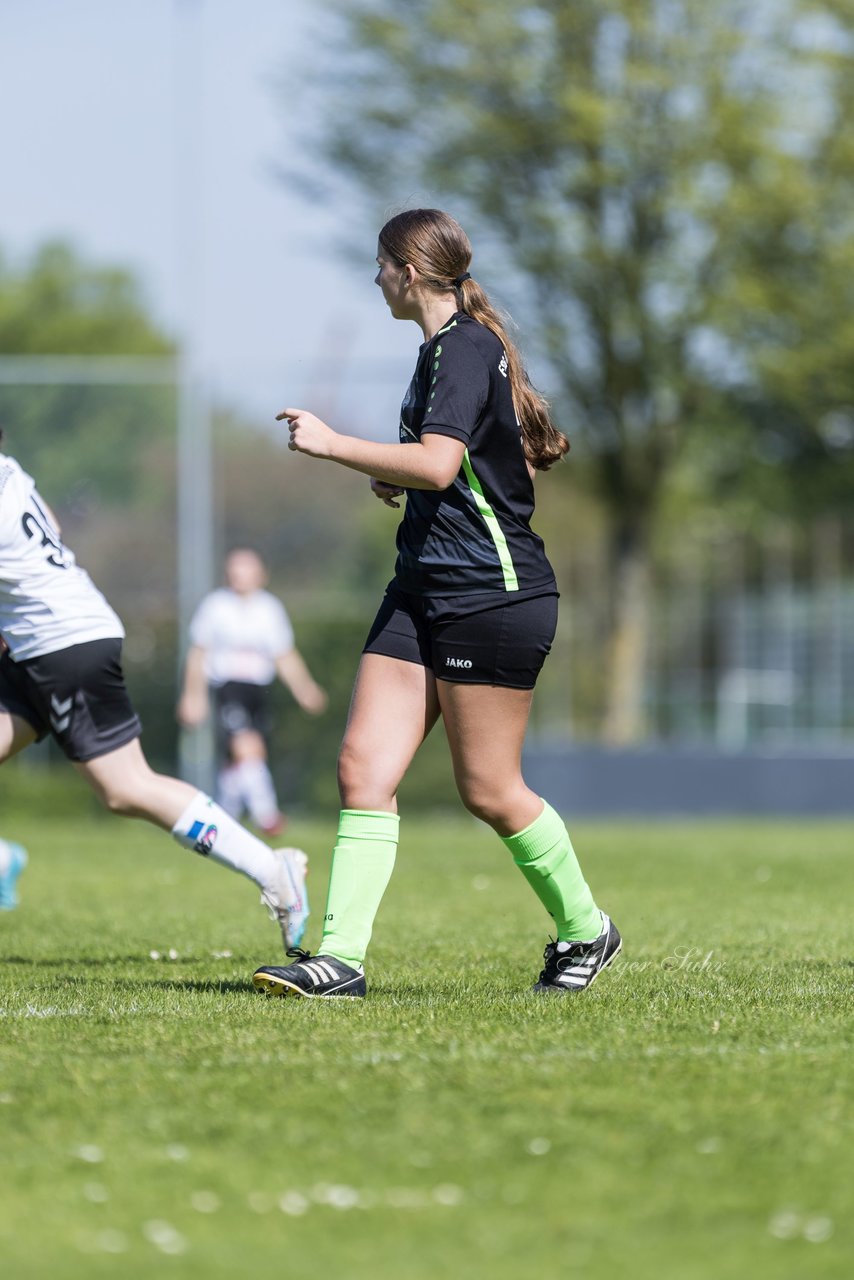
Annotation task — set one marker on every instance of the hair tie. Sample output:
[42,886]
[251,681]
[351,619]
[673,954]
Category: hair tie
[460,280]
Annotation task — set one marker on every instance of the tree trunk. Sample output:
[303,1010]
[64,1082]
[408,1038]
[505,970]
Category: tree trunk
[627,645]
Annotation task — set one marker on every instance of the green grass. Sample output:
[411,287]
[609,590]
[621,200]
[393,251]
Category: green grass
[689,1118]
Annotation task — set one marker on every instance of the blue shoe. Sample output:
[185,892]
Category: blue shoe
[9,878]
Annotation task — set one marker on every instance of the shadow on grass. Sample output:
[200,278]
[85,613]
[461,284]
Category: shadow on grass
[73,962]
[220,985]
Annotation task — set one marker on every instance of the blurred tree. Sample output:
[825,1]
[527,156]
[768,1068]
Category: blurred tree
[59,304]
[639,178]
[793,305]
[81,439]
[102,452]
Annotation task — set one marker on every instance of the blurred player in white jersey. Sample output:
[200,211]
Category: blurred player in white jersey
[60,673]
[240,640]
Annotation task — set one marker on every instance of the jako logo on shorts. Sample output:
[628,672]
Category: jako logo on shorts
[458,662]
[203,837]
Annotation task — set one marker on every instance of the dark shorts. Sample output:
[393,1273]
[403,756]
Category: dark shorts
[499,644]
[77,695]
[241,706]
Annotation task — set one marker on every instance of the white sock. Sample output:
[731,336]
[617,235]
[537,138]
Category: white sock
[5,857]
[228,792]
[205,827]
[259,794]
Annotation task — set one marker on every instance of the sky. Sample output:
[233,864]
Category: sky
[147,133]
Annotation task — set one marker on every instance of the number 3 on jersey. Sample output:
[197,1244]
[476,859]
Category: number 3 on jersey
[38,524]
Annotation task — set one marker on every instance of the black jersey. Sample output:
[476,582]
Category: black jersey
[474,536]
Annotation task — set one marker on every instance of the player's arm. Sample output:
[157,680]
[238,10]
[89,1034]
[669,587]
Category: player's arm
[430,463]
[294,673]
[193,703]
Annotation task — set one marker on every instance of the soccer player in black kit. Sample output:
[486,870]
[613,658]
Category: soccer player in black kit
[466,622]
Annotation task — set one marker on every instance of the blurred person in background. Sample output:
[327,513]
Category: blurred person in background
[241,639]
[61,674]
[466,623]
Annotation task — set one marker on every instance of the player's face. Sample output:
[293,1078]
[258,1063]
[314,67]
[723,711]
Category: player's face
[244,572]
[393,281]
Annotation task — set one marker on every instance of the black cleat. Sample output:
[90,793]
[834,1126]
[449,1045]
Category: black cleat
[572,966]
[312,976]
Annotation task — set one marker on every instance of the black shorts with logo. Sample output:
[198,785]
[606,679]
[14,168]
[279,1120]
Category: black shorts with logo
[240,706]
[468,639]
[78,695]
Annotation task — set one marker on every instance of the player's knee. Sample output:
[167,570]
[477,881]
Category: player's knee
[122,793]
[247,745]
[485,800]
[361,781]
[352,766]
[117,799]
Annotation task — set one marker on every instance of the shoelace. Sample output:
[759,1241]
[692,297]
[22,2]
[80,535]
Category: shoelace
[298,954]
[556,960]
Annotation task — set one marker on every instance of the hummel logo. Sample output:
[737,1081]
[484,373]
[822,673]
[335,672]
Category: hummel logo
[458,662]
[203,837]
[206,841]
[60,713]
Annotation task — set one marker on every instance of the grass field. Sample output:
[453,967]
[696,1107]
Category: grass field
[689,1118]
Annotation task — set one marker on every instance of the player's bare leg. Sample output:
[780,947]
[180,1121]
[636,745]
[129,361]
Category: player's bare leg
[394,707]
[254,782]
[127,785]
[486,729]
[15,734]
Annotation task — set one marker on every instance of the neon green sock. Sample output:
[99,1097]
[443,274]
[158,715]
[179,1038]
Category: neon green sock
[361,869]
[544,854]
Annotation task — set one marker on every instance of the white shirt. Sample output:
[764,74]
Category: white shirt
[242,635]
[47,602]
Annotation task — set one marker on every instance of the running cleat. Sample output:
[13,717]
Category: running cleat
[287,900]
[312,976]
[572,966]
[13,864]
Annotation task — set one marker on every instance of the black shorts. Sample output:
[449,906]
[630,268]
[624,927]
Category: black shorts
[77,695]
[240,706]
[467,641]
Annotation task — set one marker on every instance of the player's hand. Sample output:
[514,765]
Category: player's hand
[314,700]
[192,711]
[308,434]
[386,492]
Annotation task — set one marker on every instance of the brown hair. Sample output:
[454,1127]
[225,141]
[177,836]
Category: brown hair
[435,244]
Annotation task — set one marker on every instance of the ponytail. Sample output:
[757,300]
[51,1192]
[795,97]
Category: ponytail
[543,443]
[436,245]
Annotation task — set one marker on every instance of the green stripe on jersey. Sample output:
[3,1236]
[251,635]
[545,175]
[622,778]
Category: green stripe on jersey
[511,582]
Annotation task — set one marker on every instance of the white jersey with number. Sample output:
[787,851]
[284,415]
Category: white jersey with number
[242,636]
[47,602]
